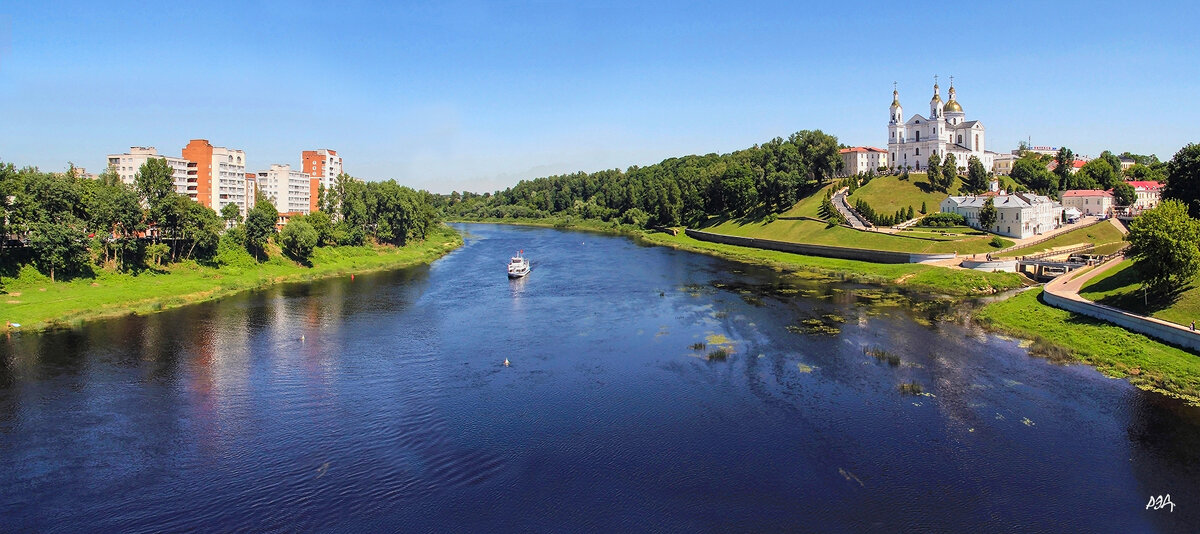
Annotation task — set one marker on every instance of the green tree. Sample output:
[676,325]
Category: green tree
[58,248]
[924,210]
[977,177]
[1124,194]
[1065,162]
[988,214]
[154,184]
[1029,171]
[260,226]
[737,191]
[934,170]
[1145,173]
[1115,162]
[232,215]
[1079,180]
[949,172]
[1098,171]
[298,239]
[322,225]
[200,229]
[819,154]
[110,177]
[1165,245]
[1183,178]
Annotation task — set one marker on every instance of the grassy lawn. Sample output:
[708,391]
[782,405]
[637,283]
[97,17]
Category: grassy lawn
[809,206]
[821,234]
[951,233]
[35,302]
[920,277]
[1113,350]
[1104,235]
[886,194]
[1121,287]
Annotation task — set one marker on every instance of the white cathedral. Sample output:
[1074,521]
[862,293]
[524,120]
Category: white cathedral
[945,131]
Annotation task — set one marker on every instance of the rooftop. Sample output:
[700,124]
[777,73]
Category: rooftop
[1086,193]
[861,149]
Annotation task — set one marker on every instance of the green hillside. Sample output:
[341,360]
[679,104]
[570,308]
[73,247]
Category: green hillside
[1105,236]
[817,233]
[886,194]
[1121,287]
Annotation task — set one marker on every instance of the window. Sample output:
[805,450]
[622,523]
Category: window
[960,139]
[918,151]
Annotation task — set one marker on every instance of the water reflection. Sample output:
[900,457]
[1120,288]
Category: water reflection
[382,399]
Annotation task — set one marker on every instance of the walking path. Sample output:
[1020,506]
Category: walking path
[852,217]
[1063,292]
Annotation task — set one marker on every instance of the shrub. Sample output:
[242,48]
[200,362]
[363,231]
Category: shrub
[943,220]
[155,254]
[636,217]
[996,242]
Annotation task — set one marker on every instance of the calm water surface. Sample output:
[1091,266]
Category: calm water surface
[382,403]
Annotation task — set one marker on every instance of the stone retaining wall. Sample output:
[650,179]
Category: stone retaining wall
[1180,336]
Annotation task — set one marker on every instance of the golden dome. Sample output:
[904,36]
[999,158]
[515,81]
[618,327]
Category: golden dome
[952,106]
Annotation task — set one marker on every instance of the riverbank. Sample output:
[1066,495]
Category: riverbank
[918,277]
[1063,336]
[36,303]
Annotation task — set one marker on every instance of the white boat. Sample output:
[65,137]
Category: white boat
[518,266]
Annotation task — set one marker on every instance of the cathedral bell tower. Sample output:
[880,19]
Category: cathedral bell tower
[935,104]
[954,111]
[897,111]
[896,124]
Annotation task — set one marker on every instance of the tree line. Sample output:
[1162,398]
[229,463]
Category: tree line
[770,177]
[68,226]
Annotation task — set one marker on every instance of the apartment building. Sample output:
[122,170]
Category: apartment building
[220,174]
[289,190]
[323,166]
[251,189]
[127,165]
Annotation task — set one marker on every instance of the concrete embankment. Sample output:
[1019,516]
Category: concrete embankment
[1063,293]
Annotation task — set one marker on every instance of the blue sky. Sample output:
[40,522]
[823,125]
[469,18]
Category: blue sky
[477,95]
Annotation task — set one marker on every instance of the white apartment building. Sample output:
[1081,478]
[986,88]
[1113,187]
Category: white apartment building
[229,178]
[287,189]
[127,165]
[862,159]
[1018,215]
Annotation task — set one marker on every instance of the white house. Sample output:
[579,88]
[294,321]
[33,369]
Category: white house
[1149,194]
[1018,215]
[862,159]
[1088,201]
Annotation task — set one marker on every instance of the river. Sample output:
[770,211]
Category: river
[648,389]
